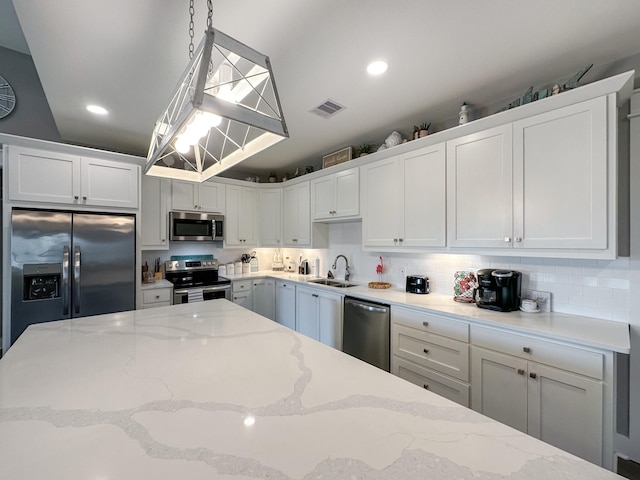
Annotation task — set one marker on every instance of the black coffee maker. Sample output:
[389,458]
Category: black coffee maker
[498,290]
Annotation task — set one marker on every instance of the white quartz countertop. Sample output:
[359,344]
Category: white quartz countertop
[585,331]
[212,390]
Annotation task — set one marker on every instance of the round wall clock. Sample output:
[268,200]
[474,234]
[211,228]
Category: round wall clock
[7,98]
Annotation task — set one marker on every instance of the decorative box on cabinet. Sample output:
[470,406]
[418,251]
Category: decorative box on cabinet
[550,391]
[50,177]
[336,196]
[191,196]
[431,351]
[403,200]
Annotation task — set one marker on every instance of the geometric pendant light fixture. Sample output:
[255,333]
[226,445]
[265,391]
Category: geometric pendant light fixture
[224,109]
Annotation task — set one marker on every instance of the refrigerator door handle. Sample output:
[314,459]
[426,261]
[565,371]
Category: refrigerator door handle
[76,279]
[65,280]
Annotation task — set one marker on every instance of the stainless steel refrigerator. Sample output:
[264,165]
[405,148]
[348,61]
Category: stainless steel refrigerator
[68,265]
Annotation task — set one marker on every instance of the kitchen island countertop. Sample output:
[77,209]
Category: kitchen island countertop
[212,390]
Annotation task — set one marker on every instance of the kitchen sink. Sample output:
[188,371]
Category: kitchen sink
[332,283]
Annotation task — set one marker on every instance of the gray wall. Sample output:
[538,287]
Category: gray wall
[31,117]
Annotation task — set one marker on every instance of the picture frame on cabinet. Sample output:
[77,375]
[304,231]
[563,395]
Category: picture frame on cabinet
[337,158]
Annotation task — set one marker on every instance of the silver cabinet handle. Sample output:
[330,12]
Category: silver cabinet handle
[76,279]
[370,308]
[65,280]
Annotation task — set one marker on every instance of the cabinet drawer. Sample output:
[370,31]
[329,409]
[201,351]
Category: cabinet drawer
[157,304]
[241,286]
[156,295]
[567,358]
[432,381]
[431,323]
[442,354]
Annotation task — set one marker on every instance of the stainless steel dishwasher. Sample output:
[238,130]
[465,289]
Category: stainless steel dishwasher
[366,331]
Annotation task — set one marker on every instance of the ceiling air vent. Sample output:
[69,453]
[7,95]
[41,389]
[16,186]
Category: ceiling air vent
[328,109]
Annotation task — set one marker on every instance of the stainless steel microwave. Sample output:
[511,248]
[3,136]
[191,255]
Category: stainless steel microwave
[196,227]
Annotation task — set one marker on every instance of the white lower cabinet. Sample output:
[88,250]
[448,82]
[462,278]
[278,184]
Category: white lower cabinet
[431,351]
[286,304]
[156,296]
[264,297]
[550,391]
[242,293]
[319,315]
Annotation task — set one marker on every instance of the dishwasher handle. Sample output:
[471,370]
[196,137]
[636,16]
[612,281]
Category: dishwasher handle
[370,308]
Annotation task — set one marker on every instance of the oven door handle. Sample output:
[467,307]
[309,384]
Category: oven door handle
[183,291]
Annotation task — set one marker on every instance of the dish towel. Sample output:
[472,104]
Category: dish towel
[194,295]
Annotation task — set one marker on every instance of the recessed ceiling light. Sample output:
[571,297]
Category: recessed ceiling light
[378,67]
[97,109]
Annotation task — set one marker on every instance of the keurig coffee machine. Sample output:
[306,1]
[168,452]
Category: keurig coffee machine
[498,289]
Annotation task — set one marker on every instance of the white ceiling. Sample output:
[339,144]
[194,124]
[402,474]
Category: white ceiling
[128,55]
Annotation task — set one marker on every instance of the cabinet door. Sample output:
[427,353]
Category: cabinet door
[565,410]
[479,189]
[109,184]
[424,191]
[184,195]
[323,198]
[248,217]
[296,215]
[330,319]
[286,304]
[39,176]
[499,387]
[270,217]
[240,219]
[264,297]
[211,197]
[380,204]
[156,193]
[307,312]
[244,299]
[560,175]
[347,193]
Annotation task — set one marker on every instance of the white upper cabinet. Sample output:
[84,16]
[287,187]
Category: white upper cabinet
[296,221]
[240,220]
[404,200]
[560,178]
[270,217]
[479,181]
[49,177]
[156,194]
[204,197]
[336,196]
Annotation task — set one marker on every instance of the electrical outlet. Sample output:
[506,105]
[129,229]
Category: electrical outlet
[543,299]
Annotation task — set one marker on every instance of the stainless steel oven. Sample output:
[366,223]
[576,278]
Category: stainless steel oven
[196,277]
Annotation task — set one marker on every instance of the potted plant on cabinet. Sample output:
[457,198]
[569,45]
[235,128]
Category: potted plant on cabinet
[365,149]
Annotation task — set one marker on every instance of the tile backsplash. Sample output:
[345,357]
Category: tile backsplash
[593,288]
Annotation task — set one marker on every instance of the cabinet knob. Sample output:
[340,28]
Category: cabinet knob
[395,240]
[400,240]
[75,197]
[526,349]
[518,239]
[84,197]
[507,239]
[163,240]
[425,324]
[533,375]
[520,371]
[157,297]
[425,386]
[426,350]
[314,295]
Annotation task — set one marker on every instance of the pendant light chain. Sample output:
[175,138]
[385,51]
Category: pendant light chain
[191,12]
[209,22]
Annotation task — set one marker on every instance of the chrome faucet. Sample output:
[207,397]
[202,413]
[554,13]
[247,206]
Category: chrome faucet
[347,272]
